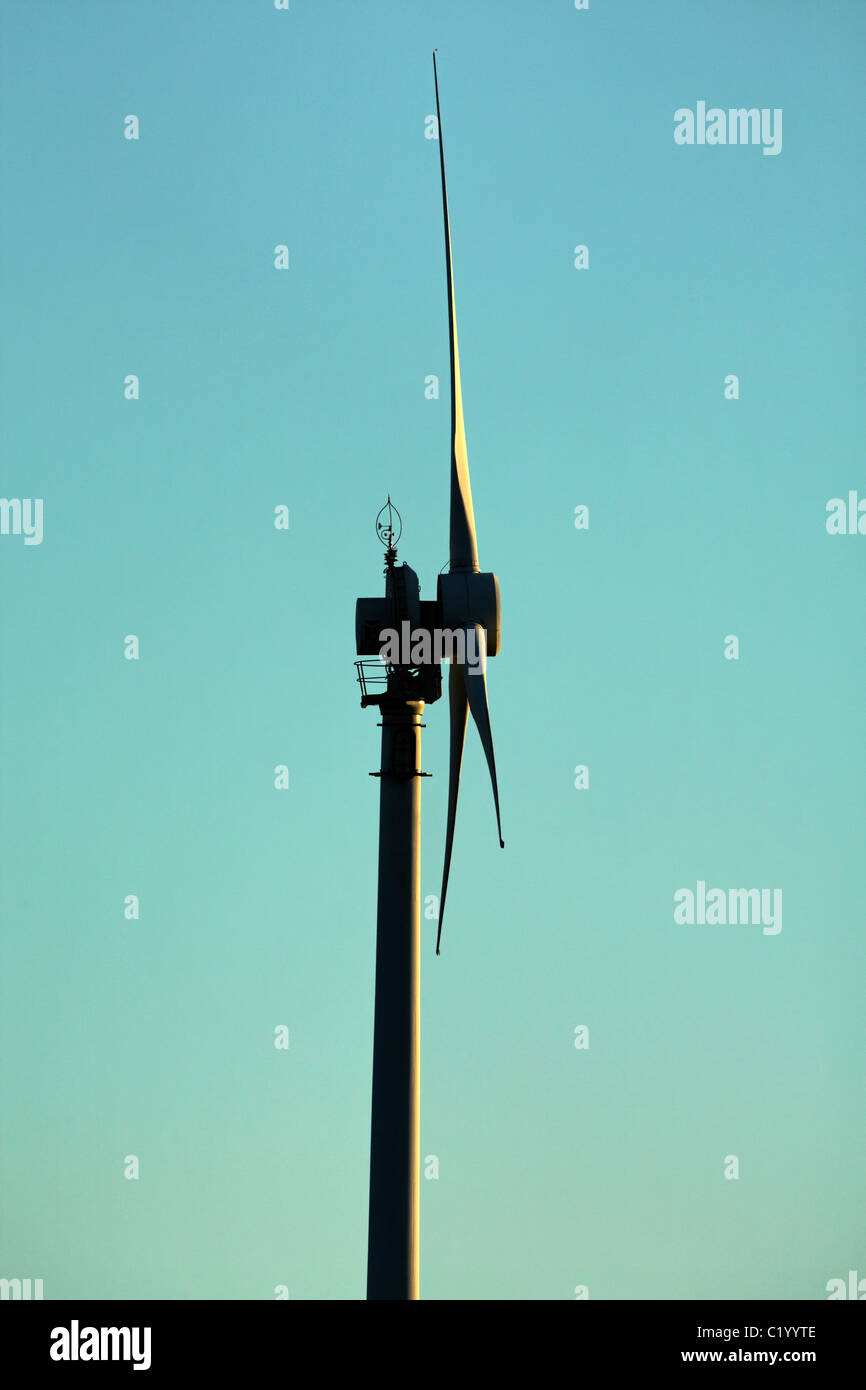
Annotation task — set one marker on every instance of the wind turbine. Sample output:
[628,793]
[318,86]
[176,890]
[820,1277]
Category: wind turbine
[463,623]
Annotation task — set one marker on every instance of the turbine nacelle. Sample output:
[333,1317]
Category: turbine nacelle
[465,601]
[399,620]
[402,603]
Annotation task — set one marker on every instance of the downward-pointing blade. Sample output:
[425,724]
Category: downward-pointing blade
[463,544]
[458,707]
[476,690]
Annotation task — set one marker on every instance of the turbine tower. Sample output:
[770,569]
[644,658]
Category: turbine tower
[408,637]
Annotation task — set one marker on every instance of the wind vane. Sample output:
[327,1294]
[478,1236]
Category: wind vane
[465,620]
[386,530]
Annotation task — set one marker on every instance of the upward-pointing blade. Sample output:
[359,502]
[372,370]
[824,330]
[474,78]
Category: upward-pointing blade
[467,690]
[463,547]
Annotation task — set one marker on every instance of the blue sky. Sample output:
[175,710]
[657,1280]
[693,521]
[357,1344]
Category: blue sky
[601,387]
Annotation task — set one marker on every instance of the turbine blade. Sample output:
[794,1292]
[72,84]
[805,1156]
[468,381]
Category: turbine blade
[476,691]
[463,543]
[458,707]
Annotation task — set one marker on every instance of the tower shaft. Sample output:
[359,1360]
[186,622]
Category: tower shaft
[393,1233]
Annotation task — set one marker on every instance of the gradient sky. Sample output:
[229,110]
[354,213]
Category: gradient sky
[602,387]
